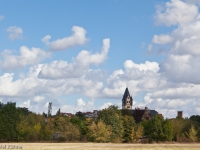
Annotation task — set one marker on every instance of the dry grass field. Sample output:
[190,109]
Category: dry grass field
[102,146]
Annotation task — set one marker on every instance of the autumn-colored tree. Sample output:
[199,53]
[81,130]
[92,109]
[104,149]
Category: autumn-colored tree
[68,131]
[139,132]
[99,132]
[192,134]
[180,126]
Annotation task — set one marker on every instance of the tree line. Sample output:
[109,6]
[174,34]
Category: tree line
[112,125]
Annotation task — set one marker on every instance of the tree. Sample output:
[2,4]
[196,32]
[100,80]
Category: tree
[192,134]
[8,122]
[153,128]
[99,132]
[139,132]
[58,112]
[128,126]
[112,117]
[23,129]
[68,131]
[195,118]
[81,124]
[180,126]
[158,129]
[49,109]
[167,130]
[31,127]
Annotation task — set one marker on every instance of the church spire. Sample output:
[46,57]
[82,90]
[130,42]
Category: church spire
[127,100]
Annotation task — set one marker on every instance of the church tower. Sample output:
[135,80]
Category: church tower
[127,100]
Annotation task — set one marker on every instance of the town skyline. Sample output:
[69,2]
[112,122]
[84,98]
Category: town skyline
[82,55]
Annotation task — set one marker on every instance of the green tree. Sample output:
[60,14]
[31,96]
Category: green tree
[128,125]
[8,122]
[23,129]
[80,123]
[167,130]
[58,112]
[112,117]
[195,118]
[154,128]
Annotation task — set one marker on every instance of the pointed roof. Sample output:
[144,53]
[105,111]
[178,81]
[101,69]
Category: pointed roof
[126,94]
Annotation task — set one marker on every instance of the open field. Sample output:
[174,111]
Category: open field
[99,146]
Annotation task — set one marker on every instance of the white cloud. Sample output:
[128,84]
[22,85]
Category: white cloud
[105,105]
[27,57]
[80,106]
[38,98]
[79,66]
[162,39]
[46,39]
[26,104]
[1,17]
[17,88]
[77,38]
[192,1]
[15,32]
[181,68]
[151,66]
[176,12]
[176,84]
[133,77]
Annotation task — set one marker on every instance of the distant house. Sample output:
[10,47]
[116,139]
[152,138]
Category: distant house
[66,114]
[140,114]
[93,114]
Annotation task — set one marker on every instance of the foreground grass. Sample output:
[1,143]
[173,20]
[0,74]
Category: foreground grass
[104,146]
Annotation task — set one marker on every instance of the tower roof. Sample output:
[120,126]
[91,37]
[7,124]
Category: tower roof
[126,94]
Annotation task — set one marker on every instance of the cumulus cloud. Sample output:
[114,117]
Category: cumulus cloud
[175,85]
[181,68]
[162,39]
[105,105]
[32,85]
[132,77]
[193,1]
[78,67]
[10,88]
[26,57]
[46,39]
[151,66]
[1,17]
[38,98]
[15,32]
[175,13]
[77,38]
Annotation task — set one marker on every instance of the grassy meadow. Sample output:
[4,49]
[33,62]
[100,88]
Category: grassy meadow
[102,146]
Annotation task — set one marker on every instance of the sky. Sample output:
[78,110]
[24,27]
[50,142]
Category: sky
[81,55]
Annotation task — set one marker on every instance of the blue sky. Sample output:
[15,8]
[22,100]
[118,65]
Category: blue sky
[81,55]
